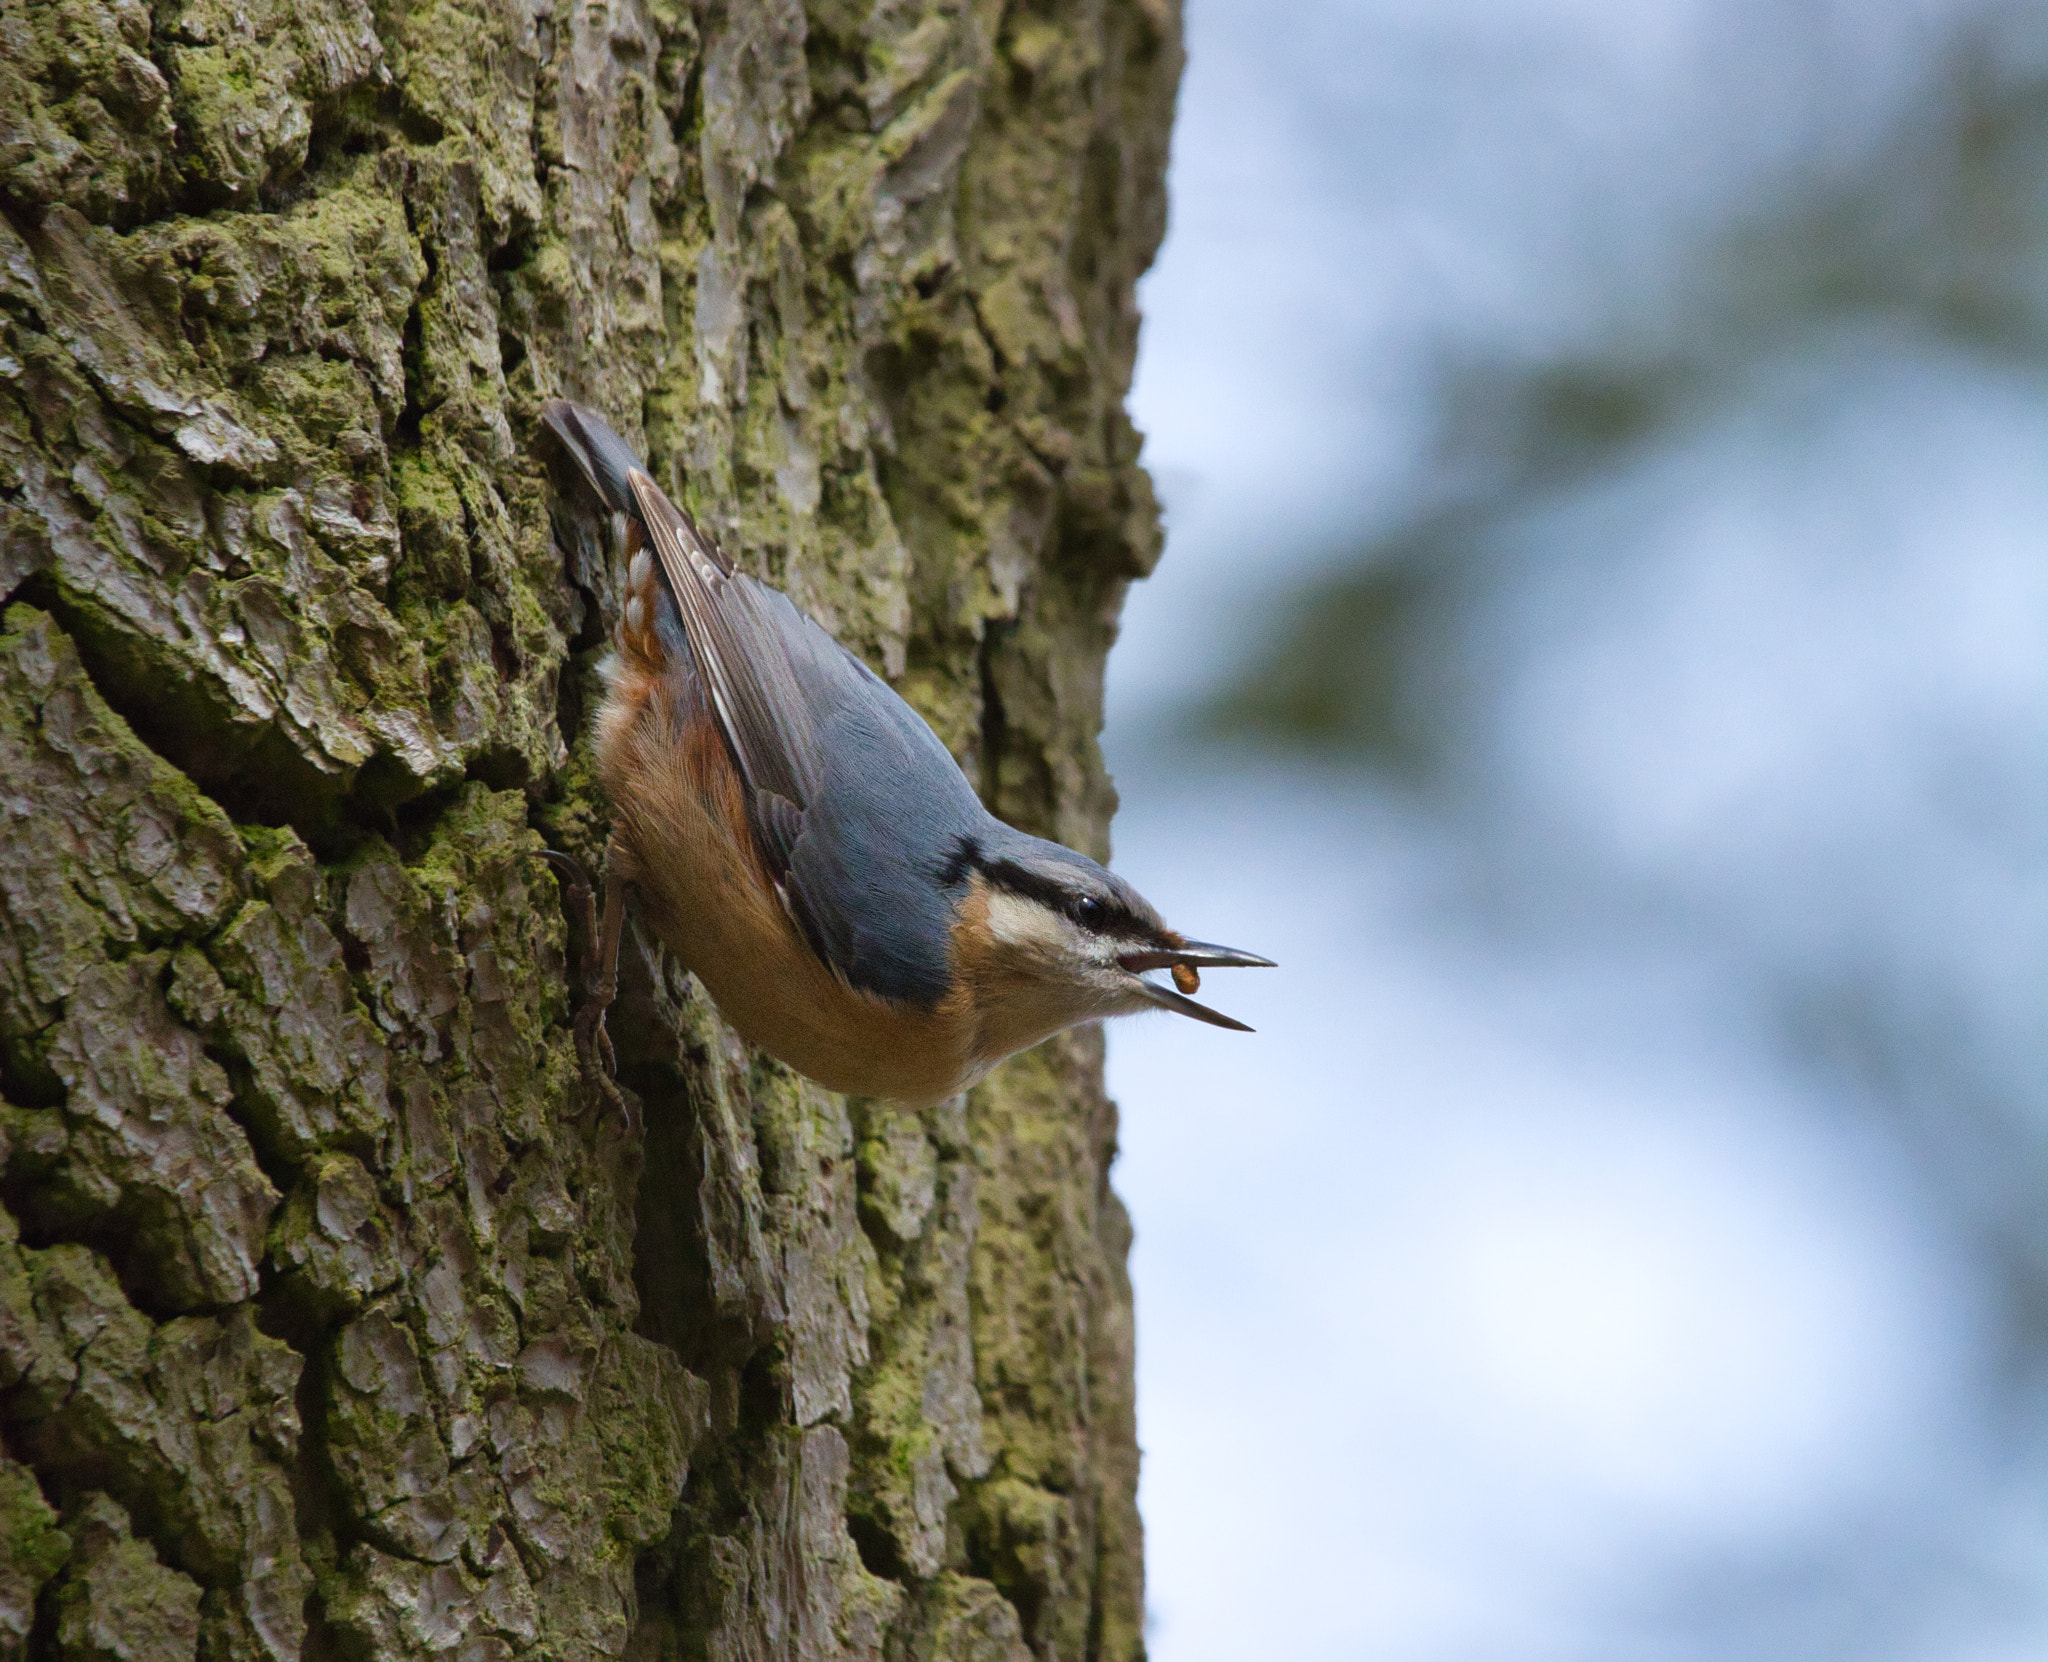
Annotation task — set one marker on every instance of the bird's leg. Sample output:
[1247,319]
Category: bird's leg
[599,979]
[605,987]
[582,917]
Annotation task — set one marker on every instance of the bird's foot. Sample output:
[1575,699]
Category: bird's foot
[600,980]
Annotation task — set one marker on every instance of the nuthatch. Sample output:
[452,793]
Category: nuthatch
[805,845]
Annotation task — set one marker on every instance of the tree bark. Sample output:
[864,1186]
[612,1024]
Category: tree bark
[339,1316]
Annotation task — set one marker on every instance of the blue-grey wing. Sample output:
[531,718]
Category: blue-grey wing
[876,874]
[863,809]
[856,807]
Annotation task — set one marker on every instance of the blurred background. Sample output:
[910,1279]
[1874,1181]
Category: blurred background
[1602,652]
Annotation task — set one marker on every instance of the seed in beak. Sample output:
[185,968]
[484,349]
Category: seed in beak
[1187,978]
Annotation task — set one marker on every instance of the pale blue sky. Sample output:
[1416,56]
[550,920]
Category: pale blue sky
[1531,1286]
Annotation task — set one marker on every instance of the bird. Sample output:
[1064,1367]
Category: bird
[806,846]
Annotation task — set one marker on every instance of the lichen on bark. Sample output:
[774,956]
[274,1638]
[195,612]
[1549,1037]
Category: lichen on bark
[339,1317]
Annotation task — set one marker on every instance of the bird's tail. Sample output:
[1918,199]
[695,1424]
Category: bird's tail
[605,459]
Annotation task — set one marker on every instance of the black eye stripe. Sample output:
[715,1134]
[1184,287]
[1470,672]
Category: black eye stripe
[1106,918]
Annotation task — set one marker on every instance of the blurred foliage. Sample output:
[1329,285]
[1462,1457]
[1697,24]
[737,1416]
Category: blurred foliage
[1343,675]
[1940,228]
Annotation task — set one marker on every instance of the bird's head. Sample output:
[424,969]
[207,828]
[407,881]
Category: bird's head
[1046,938]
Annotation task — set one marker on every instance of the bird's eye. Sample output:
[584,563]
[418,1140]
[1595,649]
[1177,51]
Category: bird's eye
[1089,912]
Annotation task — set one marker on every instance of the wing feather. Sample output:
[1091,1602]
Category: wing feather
[854,804]
[754,649]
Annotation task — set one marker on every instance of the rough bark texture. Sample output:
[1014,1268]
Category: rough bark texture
[338,1318]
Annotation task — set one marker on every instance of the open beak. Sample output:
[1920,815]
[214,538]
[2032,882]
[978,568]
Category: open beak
[1195,955]
[1190,955]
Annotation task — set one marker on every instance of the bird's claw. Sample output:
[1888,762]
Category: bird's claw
[600,1061]
[600,981]
[593,1042]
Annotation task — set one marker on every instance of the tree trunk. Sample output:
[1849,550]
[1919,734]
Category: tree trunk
[339,1316]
